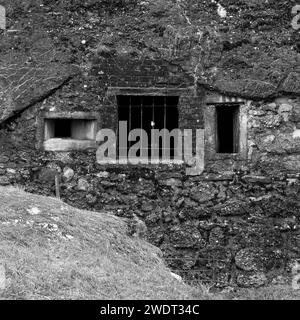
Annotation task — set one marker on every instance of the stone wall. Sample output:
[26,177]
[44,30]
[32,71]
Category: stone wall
[238,221]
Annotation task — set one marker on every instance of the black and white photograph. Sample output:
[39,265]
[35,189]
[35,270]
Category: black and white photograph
[149,153]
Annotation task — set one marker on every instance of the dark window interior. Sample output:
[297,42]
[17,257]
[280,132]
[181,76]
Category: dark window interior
[78,129]
[227,129]
[62,128]
[147,112]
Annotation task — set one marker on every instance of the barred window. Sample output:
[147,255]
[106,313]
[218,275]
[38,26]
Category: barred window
[150,112]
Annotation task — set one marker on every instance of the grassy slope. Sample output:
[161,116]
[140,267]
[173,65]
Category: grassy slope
[65,253]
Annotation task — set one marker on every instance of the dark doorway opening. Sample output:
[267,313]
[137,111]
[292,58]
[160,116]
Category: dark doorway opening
[227,129]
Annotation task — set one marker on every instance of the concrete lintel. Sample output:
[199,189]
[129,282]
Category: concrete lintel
[217,98]
[70,115]
[154,91]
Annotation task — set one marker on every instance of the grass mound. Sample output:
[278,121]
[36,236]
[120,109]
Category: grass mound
[49,250]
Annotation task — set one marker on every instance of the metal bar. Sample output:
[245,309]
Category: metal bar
[165,112]
[153,111]
[142,106]
[129,126]
[165,126]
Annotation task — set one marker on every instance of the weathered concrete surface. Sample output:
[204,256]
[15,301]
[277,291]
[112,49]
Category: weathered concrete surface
[252,52]
[22,86]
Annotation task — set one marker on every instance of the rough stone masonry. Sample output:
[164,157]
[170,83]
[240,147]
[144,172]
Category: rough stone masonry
[236,223]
